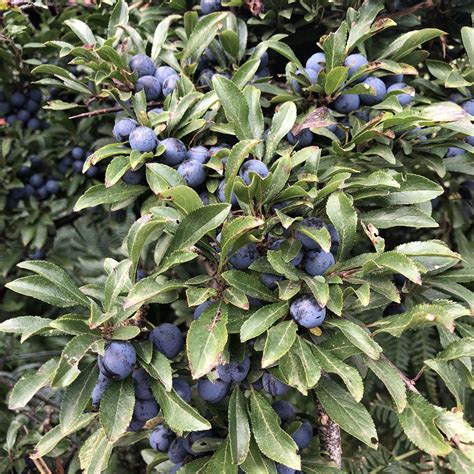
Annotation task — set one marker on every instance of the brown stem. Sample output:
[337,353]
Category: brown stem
[410,10]
[108,110]
[329,436]
[41,466]
[410,384]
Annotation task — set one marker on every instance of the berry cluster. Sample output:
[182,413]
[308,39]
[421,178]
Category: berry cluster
[154,81]
[74,161]
[37,183]
[22,107]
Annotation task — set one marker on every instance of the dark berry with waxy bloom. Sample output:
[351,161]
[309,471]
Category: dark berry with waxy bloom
[235,371]
[141,381]
[303,139]
[244,256]
[99,389]
[142,65]
[253,166]
[285,410]
[175,151]
[118,360]
[394,308]
[316,262]
[177,453]
[168,339]
[143,139]
[306,311]
[212,392]
[145,409]
[183,389]
[303,435]
[150,85]
[193,173]
[161,438]
[123,128]
[273,386]
[403,97]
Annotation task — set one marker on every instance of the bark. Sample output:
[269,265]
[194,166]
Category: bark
[329,436]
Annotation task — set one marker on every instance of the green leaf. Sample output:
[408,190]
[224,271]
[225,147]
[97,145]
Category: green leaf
[335,78]
[159,37]
[115,283]
[178,414]
[148,289]
[460,463]
[182,198]
[275,443]
[25,325]
[342,214]
[50,440]
[234,229]
[239,428]
[358,336]
[68,367]
[454,426]
[417,421]
[58,277]
[280,176]
[76,398]
[249,283]
[299,368]
[332,365]
[27,386]
[99,194]
[351,416]
[202,35]
[408,42]
[82,31]
[237,155]
[197,224]
[116,169]
[234,104]
[467,35]
[334,46]
[42,289]
[161,177]
[457,349]
[392,380]
[138,235]
[279,340]
[413,189]
[432,254]
[282,122]
[221,461]
[95,453]
[116,408]
[254,462]
[398,216]
[363,27]
[262,319]
[207,337]
[396,263]
[159,368]
[450,377]
[119,16]
[440,313]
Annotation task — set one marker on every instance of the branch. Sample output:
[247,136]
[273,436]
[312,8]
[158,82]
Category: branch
[108,110]
[410,10]
[329,436]
[69,219]
[410,384]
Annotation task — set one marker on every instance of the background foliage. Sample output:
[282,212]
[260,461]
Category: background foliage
[122,243]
